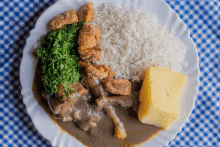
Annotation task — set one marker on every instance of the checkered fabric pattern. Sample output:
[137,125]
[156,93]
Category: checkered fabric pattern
[18,18]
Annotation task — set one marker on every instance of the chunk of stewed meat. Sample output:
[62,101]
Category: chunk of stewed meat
[60,101]
[119,130]
[123,101]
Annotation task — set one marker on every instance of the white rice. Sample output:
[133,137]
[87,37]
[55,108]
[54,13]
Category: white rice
[132,40]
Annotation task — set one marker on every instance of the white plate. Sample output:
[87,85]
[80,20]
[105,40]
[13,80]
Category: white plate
[166,17]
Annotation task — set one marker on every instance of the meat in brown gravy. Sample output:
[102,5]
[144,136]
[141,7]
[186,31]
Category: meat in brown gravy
[78,105]
[123,101]
[126,101]
[58,102]
[75,107]
[119,130]
[94,85]
[100,133]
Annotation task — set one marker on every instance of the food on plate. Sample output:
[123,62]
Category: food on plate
[89,36]
[58,58]
[121,86]
[118,125]
[68,17]
[123,101]
[96,71]
[133,40]
[60,103]
[89,75]
[90,54]
[160,97]
[88,12]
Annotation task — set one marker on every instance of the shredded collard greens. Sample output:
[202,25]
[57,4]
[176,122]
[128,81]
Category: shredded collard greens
[58,56]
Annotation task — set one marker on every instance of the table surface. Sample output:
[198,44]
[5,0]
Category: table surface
[18,18]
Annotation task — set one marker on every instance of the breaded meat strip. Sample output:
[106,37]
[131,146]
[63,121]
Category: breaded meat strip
[67,17]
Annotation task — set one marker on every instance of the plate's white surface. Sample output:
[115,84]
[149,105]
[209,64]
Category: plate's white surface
[166,17]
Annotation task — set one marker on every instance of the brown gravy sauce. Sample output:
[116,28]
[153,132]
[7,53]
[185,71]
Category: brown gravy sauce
[101,135]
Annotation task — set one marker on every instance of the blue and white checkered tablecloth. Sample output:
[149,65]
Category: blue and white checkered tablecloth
[17,18]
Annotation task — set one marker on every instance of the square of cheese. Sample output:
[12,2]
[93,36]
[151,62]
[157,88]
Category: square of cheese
[160,97]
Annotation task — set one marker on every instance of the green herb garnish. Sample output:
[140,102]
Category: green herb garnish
[59,58]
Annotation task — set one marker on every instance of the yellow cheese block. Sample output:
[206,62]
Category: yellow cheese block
[160,97]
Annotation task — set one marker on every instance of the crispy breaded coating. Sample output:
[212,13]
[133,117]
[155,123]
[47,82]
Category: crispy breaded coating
[121,86]
[97,71]
[89,36]
[88,12]
[119,130]
[106,69]
[90,54]
[110,71]
[84,64]
[92,71]
[68,17]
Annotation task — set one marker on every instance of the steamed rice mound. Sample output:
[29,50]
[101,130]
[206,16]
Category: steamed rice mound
[132,40]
